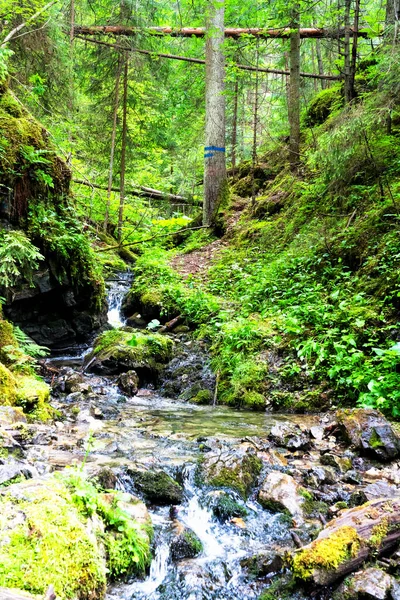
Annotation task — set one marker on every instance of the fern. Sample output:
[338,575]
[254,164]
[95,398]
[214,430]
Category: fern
[18,258]
[28,346]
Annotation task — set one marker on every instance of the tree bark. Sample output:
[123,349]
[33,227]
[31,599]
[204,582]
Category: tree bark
[294,90]
[123,151]
[347,65]
[392,18]
[354,48]
[234,126]
[320,61]
[113,136]
[214,150]
[255,125]
[233,32]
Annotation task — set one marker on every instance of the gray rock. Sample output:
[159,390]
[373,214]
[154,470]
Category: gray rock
[280,492]
[262,564]
[289,436]
[157,487]
[372,583]
[129,382]
[184,543]
[369,432]
[380,489]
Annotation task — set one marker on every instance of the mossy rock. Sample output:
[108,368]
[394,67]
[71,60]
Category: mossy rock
[8,388]
[224,506]
[33,395]
[235,470]
[203,397]
[6,338]
[323,105]
[49,545]
[157,487]
[119,351]
[185,544]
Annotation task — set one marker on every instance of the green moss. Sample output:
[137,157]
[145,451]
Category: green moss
[253,400]
[8,393]
[50,546]
[33,395]
[203,397]
[240,478]
[226,507]
[193,542]
[379,533]
[126,541]
[157,487]
[150,348]
[323,105]
[326,553]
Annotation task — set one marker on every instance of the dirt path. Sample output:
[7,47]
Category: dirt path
[199,261]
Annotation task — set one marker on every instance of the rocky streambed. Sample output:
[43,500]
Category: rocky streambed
[237,504]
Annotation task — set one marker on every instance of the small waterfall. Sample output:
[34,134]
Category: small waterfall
[117,289]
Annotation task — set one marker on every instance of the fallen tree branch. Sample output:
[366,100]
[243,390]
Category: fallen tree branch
[153,237]
[12,33]
[232,32]
[356,535]
[200,61]
[141,191]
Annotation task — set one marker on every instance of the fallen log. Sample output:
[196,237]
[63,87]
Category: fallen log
[231,32]
[171,324]
[201,61]
[140,191]
[348,541]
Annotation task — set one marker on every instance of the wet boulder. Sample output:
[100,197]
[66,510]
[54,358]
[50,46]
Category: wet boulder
[119,351]
[341,463]
[157,487]
[129,383]
[12,470]
[262,564]
[281,493]
[225,506]
[290,436]
[233,468]
[369,432]
[370,584]
[184,543]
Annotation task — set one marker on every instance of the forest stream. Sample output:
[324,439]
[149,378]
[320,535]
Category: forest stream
[158,432]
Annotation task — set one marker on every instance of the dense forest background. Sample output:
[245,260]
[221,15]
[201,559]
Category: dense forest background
[301,303]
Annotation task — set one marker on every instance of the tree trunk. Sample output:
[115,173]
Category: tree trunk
[234,126]
[214,150]
[255,125]
[392,18]
[113,136]
[347,65]
[320,61]
[123,151]
[358,533]
[354,48]
[294,90]
[232,32]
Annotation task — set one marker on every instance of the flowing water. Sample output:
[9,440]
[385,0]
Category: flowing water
[153,431]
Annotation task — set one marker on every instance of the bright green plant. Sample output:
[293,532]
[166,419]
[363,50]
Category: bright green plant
[18,258]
